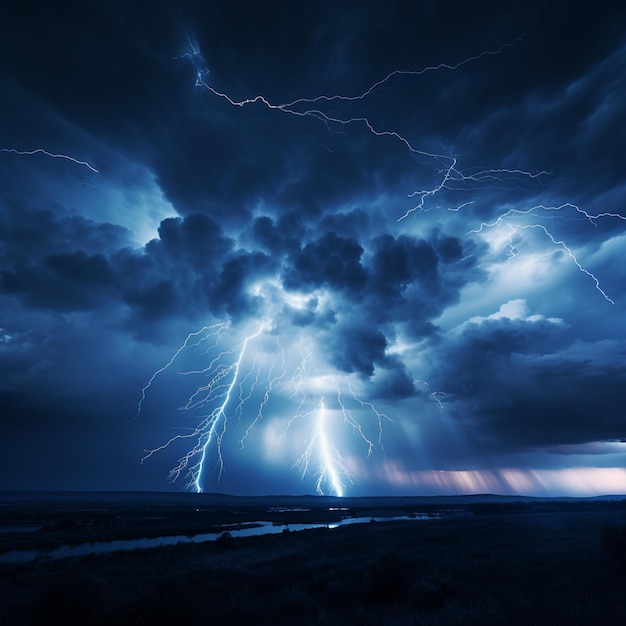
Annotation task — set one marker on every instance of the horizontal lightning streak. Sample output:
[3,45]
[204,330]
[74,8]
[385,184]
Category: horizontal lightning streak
[309,107]
[450,177]
[228,384]
[537,211]
[52,155]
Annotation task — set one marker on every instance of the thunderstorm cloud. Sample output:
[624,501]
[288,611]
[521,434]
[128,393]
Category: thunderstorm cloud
[414,212]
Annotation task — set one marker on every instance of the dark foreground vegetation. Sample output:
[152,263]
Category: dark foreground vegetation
[478,561]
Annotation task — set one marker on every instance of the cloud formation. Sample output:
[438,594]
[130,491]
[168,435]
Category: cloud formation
[419,218]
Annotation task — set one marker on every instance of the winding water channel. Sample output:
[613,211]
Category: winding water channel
[249,529]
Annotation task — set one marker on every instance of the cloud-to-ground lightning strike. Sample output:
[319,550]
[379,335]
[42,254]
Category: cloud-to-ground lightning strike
[235,381]
[51,155]
[451,178]
[330,461]
[236,386]
[223,377]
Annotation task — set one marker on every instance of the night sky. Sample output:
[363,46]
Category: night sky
[394,230]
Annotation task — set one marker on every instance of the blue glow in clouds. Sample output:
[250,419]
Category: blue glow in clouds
[239,387]
[240,381]
[313,251]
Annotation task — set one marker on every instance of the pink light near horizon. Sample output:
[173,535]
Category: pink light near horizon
[573,481]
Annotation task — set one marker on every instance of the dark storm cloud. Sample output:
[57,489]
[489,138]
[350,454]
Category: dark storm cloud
[27,231]
[330,260]
[405,280]
[393,381]
[311,313]
[353,223]
[196,240]
[64,282]
[230,293]
[192,266]
[156,301]
[412,279]
[129,90]
[358,348]
[522,384]
[57,263]
[563,127]
[293,218]
[131,87]
[281,236]
[397,263]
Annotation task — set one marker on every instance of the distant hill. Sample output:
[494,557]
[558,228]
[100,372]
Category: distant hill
[164,498]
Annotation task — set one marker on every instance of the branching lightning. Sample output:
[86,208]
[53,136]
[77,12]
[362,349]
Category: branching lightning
[566,211]
[330,461]
[217,393]
[451,178]
[51,155]
[238,392]
[199,336]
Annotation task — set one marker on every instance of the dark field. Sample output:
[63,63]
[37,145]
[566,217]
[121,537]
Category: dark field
[479,560]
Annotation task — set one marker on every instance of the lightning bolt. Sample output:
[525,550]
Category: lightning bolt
[566,211]
[200,335]
[51,155]
[433,394]
[321,451]
[563,245]
[450,176]
[349,419]
[234,381]
[320,446]
[223,378]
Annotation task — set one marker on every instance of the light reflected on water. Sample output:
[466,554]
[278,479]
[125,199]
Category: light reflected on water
[249,530]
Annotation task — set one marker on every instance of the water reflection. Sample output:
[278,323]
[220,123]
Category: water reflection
[248,530]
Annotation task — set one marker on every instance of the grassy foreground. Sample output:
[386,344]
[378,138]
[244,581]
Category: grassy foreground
[514,564]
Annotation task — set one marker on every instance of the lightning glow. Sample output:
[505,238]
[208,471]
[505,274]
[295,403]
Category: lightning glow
[320,446]
[451,177]
[238,388]
[223,377]
[237,394]
[566,211]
